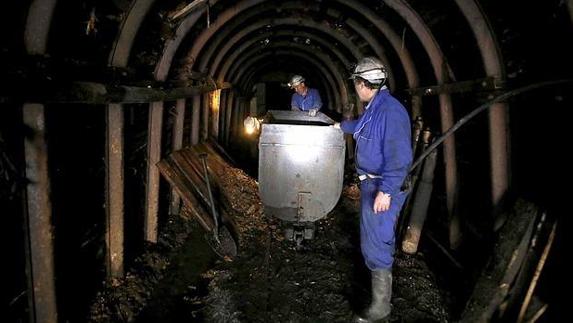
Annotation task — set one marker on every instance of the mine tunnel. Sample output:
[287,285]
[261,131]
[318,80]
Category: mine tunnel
[109,108]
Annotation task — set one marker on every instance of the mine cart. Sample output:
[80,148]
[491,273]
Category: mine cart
[301,168]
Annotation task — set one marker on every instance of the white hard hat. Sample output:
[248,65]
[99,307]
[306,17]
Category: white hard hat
[295,80]
[370,69]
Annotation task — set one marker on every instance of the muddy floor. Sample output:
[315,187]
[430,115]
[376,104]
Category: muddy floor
[272,279]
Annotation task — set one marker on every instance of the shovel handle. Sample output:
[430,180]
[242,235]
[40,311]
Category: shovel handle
[203,157]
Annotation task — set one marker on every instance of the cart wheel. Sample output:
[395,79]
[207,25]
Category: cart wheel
[289,233]
[299,238]
[309,233]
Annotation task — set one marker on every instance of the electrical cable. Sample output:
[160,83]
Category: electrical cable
[479,109]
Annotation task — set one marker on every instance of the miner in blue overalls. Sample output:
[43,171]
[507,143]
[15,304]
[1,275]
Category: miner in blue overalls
[383,157]
[304,98]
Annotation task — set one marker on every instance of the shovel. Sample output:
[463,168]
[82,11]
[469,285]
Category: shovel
[222,242]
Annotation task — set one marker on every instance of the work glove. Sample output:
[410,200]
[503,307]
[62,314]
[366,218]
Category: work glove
[312,112]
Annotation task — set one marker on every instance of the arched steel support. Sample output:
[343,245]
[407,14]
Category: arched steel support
[341,85]
[115,185]
[255,67]
[357,29]
[397,44]
[314,39]
[172,44]
[374,43]
[498,114]
[443,74]
[128,29]
[40,266]
[214,28]
[252,67]
[311,25]
[318,61]
[332,96]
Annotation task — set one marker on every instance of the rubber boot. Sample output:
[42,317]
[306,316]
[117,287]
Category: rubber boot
[379,309]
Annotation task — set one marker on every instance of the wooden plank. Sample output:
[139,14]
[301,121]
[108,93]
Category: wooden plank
[219,151]
[188,161]
[488,84]
[511,306]
[509,252]
[537,274]
[229,114]
[39,217]
[195,127]
[98,93]
[191,173]
[205,112]
[215,160]
[153,157]
[114,191]
[222,118]
[172,173]
[177,143]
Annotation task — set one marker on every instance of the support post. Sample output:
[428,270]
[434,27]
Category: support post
[205,117]
[153,157]
[195,120]
[114,190]
[177,143]
[420,207]
[230,112]
[39,214]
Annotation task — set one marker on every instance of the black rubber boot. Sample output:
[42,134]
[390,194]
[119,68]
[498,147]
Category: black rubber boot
[379,309]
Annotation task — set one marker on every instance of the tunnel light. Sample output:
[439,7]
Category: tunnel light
[251,125]
[215,100]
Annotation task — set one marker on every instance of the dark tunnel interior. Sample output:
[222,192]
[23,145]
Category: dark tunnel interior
[96,93]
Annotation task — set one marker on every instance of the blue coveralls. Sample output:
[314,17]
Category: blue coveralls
[304,103]
[383,149]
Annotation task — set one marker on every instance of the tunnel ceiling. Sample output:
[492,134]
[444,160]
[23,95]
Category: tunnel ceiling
[247,39]
[241,42]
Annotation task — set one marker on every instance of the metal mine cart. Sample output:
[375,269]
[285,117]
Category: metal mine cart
[301,168]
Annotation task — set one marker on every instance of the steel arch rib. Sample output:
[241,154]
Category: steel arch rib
[340,85]
[214,68]
[443,74]
[237,53]
[251,60]
[128,29]
[498,114]
[252,41]
[251,72]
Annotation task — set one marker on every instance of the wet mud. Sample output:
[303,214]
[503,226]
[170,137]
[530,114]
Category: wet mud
[272,278]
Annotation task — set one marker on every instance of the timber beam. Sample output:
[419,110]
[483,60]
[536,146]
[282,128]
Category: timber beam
[98,93]
[488,84]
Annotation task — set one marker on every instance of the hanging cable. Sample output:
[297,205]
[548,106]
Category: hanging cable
[481,108]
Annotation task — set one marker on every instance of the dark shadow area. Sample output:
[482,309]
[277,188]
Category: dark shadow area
[77,142]
[12,184]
